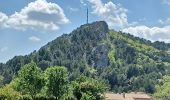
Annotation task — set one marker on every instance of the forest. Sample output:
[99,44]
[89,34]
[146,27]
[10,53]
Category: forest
[85,64]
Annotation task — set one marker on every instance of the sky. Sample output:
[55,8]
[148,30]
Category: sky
[27,25]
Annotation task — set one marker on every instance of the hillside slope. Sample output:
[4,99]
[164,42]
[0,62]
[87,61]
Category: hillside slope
[127,63]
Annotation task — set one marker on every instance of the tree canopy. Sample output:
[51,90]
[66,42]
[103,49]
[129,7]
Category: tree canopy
[57,82]
[32,83]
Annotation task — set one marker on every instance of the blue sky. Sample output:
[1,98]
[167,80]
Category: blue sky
[26,25]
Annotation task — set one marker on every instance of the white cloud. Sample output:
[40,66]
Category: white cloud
[154,33]
[38,15]
[166,1]
[114,15]
[165,22]
[73,9]
[83,3]
[3,49]
[150,33]
[3,19]
[34,39]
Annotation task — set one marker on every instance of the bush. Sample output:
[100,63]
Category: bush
[8,93]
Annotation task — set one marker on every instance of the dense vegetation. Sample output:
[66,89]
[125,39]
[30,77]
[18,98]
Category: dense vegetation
[125,62]
[32,83]
[163,89]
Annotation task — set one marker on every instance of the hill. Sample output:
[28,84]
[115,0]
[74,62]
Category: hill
[126,62]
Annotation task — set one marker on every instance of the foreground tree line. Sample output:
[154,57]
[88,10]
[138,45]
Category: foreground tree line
[31,83]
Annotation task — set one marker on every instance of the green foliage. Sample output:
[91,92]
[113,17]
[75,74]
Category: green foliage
[30,80]
[8,93]
[85,88]
[134,71]
[132,64]
[57,82]
[1,81]
[32,84]
[87,96]
[111,55]
[163,89]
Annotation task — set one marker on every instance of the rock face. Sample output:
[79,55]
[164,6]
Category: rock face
[92,35]
[101,28]
[98,29]
[100,54]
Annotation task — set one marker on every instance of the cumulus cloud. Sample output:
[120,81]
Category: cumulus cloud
[150,33]
[3,19]
[34,39]
[39,14]
[114,15]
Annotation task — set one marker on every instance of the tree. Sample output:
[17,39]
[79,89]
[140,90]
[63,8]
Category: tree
[57,81]
[163,89]
[86,96]
[85,88]
[8,93]
[30,80]
[1,81]
[112,78]
[133,70]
